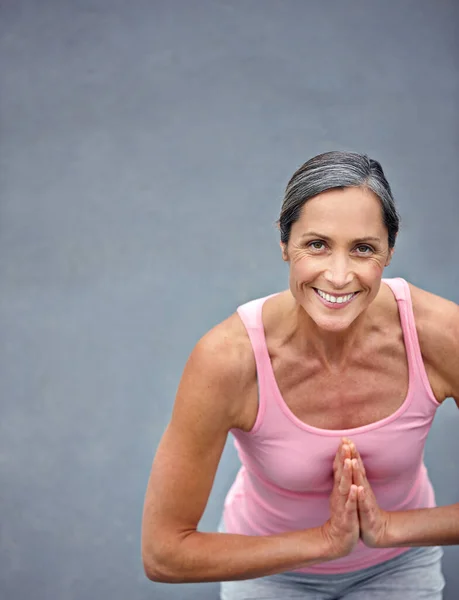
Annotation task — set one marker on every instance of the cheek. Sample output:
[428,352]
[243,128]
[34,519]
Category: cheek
[302,271]
[308,267]
[302,264]
[374,268]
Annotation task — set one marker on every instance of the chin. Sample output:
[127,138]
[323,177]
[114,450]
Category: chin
[334,327]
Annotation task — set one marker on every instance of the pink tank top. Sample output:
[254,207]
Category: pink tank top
[285,480]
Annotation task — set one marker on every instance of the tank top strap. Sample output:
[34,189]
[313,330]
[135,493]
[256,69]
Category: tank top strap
[402,294]
[418,374]
[250,315]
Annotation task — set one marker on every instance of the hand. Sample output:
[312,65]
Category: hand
[341,531]
[374,521]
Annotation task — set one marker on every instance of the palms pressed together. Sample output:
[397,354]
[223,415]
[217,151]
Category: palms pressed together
[373,520]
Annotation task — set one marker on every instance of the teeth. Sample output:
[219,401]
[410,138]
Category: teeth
[339,300]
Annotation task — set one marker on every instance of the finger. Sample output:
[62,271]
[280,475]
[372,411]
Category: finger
[362,499]
[339,450]
[337,465]
[342,453]
[357,473]
[360,461]
[356,454]
[345,455]
[352,500]
[362,467]
[346,478]
[337,458]
[350,443]
[342,448]
[354,451]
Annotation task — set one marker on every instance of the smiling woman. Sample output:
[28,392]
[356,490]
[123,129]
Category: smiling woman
[338,263]
[329,389]
[338,227]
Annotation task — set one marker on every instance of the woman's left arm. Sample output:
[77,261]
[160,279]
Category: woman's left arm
[423,527]
[437,526]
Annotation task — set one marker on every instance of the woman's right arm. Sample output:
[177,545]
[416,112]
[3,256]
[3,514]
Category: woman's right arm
[182,475]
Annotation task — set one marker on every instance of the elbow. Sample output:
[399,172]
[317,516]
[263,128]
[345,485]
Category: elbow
[153,561]
[156,576]
[157,570]
[159,574]
[162,567]
[164,560]
[150,570]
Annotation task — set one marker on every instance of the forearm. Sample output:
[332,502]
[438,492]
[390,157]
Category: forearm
[205,557]
[423,527]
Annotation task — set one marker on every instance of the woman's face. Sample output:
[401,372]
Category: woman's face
[339,245]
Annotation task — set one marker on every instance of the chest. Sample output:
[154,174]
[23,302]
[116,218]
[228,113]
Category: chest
[373,386]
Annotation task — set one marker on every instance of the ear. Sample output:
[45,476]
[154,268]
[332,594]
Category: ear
[391,254]
[283,248]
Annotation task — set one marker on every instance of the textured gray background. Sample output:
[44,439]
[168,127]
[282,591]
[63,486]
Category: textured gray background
[145,146]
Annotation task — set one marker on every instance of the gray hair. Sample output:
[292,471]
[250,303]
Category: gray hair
[337,170]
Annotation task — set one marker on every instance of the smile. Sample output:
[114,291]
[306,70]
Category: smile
[335,301]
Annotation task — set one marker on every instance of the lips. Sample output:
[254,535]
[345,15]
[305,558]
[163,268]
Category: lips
[335,305]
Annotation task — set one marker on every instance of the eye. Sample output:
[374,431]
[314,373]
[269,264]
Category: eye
[316,242]
[367,247]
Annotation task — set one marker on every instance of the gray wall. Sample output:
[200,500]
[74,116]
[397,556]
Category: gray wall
[144,149]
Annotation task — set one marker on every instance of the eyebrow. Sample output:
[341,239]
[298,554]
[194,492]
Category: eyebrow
[325,237]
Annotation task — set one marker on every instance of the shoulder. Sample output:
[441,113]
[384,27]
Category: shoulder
[224,358]
[437,326]
[437,318]
[227,345]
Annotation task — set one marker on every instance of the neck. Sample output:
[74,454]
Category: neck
[333,349]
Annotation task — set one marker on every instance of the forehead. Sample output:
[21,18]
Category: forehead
[340,210]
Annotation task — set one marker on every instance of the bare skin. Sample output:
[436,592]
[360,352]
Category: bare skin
[312,349]
[362,391]
[222,366]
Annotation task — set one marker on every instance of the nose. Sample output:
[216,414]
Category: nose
[338,273]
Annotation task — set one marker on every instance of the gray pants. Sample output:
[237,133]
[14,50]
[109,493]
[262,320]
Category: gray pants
[414,575]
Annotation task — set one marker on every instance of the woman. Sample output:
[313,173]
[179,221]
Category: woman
[329,389]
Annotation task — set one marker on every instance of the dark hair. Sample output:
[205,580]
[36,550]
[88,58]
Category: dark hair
[337,170]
